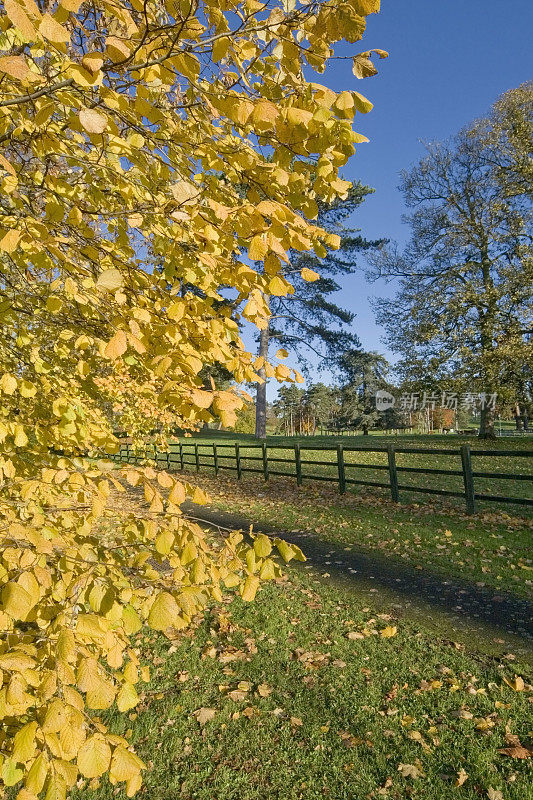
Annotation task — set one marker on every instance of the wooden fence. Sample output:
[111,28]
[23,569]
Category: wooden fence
[226,456]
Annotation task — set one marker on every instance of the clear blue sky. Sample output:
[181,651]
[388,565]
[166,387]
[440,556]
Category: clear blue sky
[448,61]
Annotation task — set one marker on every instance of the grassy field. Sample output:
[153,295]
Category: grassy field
[308,694]
[316,691]
[373,467]
[492,549]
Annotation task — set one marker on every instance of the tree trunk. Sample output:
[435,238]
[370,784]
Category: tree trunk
[261,396]
[486,424]
[487,315]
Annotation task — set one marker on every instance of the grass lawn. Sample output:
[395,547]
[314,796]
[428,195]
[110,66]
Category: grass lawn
[307,693]
[370,466]
[492,548]
[314,691]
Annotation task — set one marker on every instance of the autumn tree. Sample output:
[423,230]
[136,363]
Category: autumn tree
[463,314]
[127,130]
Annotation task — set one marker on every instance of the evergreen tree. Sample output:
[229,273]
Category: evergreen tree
[309,322]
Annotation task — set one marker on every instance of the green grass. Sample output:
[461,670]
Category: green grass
[321,715]
[492,549]
[369,466]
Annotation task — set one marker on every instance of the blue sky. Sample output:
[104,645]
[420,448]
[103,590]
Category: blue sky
[449,60]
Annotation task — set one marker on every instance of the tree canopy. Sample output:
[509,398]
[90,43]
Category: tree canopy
[463,314]
[128,130]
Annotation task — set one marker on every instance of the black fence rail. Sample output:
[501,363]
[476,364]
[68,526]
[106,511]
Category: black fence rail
[266,460]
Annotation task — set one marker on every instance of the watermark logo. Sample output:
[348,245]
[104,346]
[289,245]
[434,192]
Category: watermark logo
[432,400]
[384,400]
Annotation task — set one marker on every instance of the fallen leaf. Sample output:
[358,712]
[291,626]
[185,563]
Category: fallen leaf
[516,749]
[204,715]
[409,771]
[390,630]
[237,695]
[462,776]
[516,683]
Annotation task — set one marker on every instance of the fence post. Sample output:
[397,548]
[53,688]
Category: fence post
[468,479]
[393,475]
[181,457]
[168,457]
[265,461]
[238,460]
[197,457]
[340,466]
[298,458]
[215,458]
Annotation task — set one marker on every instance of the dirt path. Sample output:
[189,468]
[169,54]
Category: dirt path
[455,607]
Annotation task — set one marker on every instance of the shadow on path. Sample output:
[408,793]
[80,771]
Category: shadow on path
[466,605]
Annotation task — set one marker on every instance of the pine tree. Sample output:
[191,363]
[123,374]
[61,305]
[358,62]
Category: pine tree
[308,321]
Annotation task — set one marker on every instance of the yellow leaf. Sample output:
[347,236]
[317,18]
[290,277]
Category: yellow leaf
[309,274]
[127,697]
[24,743]
[8,383]
[390,630]
[71,5]
[24,794]
[10,240]
[15,66]
[92,62]
[268,570]
[11,774]
[53,31]
[516,683]
[124,765]
[16,601]
[177,495]
[116,346]
[110,280]
[249,588]
[20,438]
[57,788]
[131,621]
[264,115]
[164,542]
[361,103]
[289,551]
[93,122]
[282,353]
[164,612]
[199,496]
[37,774]
[258,248]
[278,287]
[262,546]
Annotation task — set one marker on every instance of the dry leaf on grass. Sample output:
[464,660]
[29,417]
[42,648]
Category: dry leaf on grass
[204,715]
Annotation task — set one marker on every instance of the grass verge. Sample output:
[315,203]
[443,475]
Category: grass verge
[491,549]
[307,693]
